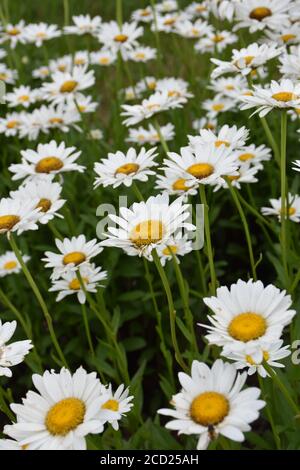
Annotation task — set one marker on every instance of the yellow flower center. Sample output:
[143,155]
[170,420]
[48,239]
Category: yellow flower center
[247,326]
[7,222]
[140,55]
[247,59]
[201,170]
[49,164]
[179,185]
[127,169]
[81,108]
[62,67]
[233,177]
[152,85]
[56,120]
[112,405]
[229,87]
[200,8]
[79,61]
[10,265]
[284,96]
[218,107]
[287,37]
[246,156]
[103,60]
[291,211]
[260,13]
[145,13]
[13,32]
[65,416]
[209,408]
[75,284]
[12,124]
[147,232]
[173,93]
[169,21]
[218,143]
[248,93]
[195,31]
[44,204]
[250,360]
[121,38]
[218,38]
[41,35]
[3,76]
[170,249]
[266,356]
[68,86]
[76,258]
[210,126]
[253,73]
[23,98]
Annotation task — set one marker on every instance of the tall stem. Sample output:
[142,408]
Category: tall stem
[119,13]
[161,137]
[245,225]
[210,255]
[270,417]
[87,327]
[39,298]
[283,389]
[172,311]
[66,12]
[283,231]
[270,138]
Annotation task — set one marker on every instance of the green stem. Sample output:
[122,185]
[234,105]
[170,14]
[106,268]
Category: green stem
[172,311]
[39,298]
[210,255]
[283,231]
[270,138]
[138,193]
[119,13]
[270,418]
[161,137]
[66,12]
[283,389]
[256,213]
[86,324]
[245,225]
[4,407]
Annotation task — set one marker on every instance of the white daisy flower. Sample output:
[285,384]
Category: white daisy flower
[217,106]
[198,29]
[69,283]
[212,402]
[21,96]
[243,61]
[46,195]
[229,86]
[176,88]
[60,117]
[198,9]
[84,104]
[222,9]
[168,22]
[42,72]
[142,54]
[247,311]
[293,203]
[204,164]
[246,174]
[9,263]
[150,136]
[205,123]
[178,246]
[103,57]
[254,155]
[215,41]
[62,64]
[96,134]
[165,6]
[143,15]
[256,15]
[13,353]
[118,402]
[13,33]
[232,137]
[37,33]
[10,124]
[129,94]
[282,95]
[18,216]
[84,24]
[61,414]
[30,126]
[297,165]
[74,253]
[254,358]
[285,36]
[48,159]
[65,86]
[120,39]
[10,444]
[7,75]
[120,168]
[146,84]
[290,63]
[147,224]
[81,58]
[176,183]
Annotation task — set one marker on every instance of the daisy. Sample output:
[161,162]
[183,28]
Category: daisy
[13,353]
[96,134]
[254,155]
[42,72]
[10,444]
[13,33]
[243,61]
[142,15]
[231,137]
[120,168]
[18,216]
[247,311]
[120,39]
[215,41]
[7,75]
[147,224]
[48,159]
[74,253]
[30,126]
[254,358]
[178,246]
[256,15]
[176,89]
[228,87]
[104,57]
[203,164]
[297,167]
[245,174]
[9,263]
[45,193]
[165,6]
[290,63]
[168,22]
[217,106]
[205,123]
[81,58]
[62,64]
[212,402]
[198,29]
[84,24]
[286,36]
[117,401]
[84,104]
[60,117]
[222,9]
[198,9]
[130,94]
[150,136]
[146,84]
[293,208]
[176,183]
[40,32]
[282,95]
[10,124]
[61,414]
[65,86]
[69,283]
[21,96]
[142,54]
